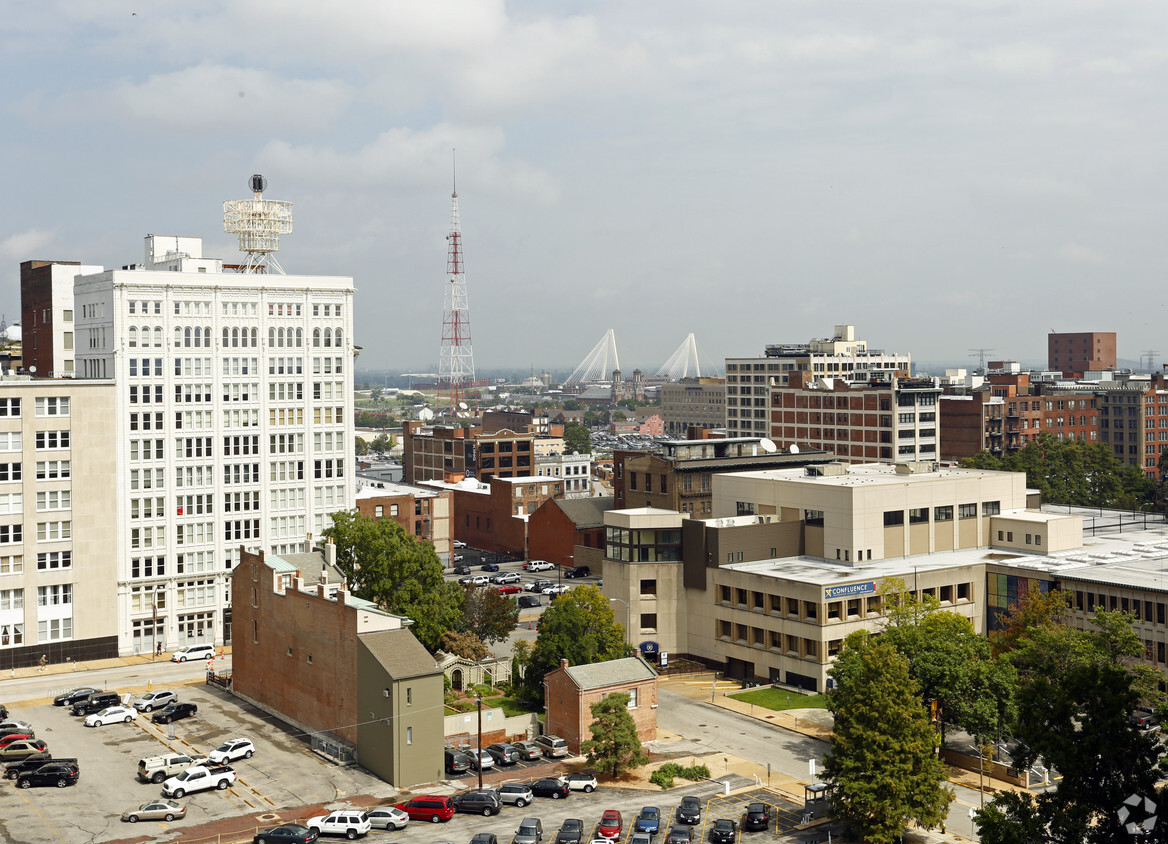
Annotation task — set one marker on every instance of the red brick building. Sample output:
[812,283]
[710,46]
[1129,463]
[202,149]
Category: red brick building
[1080,352]
[446,452]
[493,516]
[570,691]
[310,653]
[569,531]
[1134,422]
[423,512]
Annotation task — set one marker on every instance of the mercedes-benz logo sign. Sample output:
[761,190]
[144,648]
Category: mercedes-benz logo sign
[1138,815]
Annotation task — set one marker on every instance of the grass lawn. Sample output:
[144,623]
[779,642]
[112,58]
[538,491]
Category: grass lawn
[780,699]
[509,705]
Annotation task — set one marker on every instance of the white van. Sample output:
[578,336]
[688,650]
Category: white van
[193,652]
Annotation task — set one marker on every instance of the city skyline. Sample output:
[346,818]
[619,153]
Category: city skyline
[944,177]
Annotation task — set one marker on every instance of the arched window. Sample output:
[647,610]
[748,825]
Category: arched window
[328,339]
[299,337]
[186,337]
[271,337]
[337,339]
[133,342]
[158,336]
[207,336]
[255,337]
[316,338]
[226,336]
[235,337]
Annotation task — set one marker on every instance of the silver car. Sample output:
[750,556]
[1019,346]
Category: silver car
[388,817]
[516,793]
[155,700]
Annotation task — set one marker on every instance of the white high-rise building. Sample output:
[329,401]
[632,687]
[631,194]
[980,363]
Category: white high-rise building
[233,425]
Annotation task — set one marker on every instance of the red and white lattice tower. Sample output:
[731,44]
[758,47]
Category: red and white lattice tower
[456,377]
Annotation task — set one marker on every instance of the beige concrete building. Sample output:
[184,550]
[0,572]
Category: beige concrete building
[58,569]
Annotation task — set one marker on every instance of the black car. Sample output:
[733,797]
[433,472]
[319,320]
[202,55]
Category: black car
[578,571]
[489,567]
[174,712]
[570,832]
[456,762]
[549,787]
[3,712]
[724,831]
[678,834]
[485,803]
[690,810]
[52,773]
[526,601]
[95,703]
[292,833]
[13,770]
[462,568]
[757,816]
[74,696]
[484,838]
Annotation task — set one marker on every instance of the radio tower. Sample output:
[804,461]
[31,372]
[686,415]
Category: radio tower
[456,378]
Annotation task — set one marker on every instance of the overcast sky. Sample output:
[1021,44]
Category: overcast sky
[943,175]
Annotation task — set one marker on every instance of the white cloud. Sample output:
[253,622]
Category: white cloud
[22,245]
[1077,253]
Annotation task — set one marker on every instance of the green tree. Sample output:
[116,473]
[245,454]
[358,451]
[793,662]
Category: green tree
[375,394]
[577,438]
[489,615]
[578,626]
[615,746]
[465,645]
[362,447]
[883,760]
[382,443]
[619,416]
[400,573]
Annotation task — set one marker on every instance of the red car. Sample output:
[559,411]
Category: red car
[610,824]
[428,807]
[509,589]
[11,737]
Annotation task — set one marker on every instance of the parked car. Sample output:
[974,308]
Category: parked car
[1143,717]
[578,571]
[517,793]
[489,567]
[555,589]
[611,824]
[388,817]
[724,831]
[484,838]
[485,803]
[581,782]
[480,759]
[157,769]
[347,822]
[648,821]
[679,834]
[528,601]
[528,750]
[530,832]
[199,778]
[24,749]
[95,703]
[538,565]
[111,715]
[690,810]
[59,774]
[459,544]
[549,787]
[506,577]
[461,568]
[13,770]
[3,711]
[510,589]
[156,810]
[641,838]
[193,652]
[428,807]
[174,712]
[552,746]
[230,750]
[287,833]
[457,762]
[155,700]
[571,831]
[503,753]
[74,696]
[9,738]
[473,580]
[757,817]
[11,726]
[537,585]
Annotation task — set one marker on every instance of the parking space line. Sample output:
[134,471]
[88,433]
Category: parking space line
[23,797]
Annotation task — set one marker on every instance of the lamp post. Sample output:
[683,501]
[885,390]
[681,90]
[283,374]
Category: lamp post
[628,620]
[479,758]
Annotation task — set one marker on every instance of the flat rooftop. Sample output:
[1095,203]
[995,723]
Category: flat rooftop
[869,474]
[380,489]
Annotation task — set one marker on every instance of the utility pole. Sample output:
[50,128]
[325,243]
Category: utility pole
[479,758]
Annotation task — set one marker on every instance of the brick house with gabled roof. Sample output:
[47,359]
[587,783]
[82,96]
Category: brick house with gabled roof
[570,691]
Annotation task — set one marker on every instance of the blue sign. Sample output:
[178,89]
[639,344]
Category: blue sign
[849,591]
[648,648]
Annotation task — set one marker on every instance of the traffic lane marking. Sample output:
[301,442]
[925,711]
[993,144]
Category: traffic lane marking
[28,802]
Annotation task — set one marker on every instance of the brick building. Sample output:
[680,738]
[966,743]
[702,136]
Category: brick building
[445,452]
[46,314]
[493,516]
[1133,420]
[321,659]
[1084,351]
[423,512]
[570,691]
[569,532]
[693,403]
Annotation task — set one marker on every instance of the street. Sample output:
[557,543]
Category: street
[129,676]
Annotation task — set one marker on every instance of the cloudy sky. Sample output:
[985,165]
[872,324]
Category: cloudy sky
[945,175]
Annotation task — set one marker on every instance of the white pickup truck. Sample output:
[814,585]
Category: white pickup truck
[199,778]
[158,768]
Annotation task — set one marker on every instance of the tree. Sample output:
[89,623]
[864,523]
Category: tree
[883,760]
[489,615]
[577,438]
[400,573]
[382,443]
[465,645]
[362,447]
[375,394]
[615,745]
[578,626]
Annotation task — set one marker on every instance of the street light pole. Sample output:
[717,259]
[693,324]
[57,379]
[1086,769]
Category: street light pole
[479,758]
[628,620]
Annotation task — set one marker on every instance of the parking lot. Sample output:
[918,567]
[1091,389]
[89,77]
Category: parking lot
[475,560]
[283,772]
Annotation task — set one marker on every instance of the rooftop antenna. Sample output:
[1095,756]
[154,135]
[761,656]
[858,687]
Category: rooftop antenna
[456,377]
[980,354]
[1150,355]
[259,223]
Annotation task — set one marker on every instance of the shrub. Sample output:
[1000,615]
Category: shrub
[667,773]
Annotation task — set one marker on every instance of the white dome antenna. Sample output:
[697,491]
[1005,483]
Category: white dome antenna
[259,223]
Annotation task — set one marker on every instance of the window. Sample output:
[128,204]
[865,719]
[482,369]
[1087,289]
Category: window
[52,439]
[893,518]
[967,511]
[918,515]
[9,407]
[52,406]
[991,508]
[943,514]
[633,698]
[648,588]
[409,735]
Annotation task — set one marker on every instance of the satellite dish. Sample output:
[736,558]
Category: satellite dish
[425,414]
[257,183]
[768,445]
[463,406]
[794,449]
[32,369]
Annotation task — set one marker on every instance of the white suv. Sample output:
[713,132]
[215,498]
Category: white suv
[347,822]
[155,700]
[204,651]
[236,748]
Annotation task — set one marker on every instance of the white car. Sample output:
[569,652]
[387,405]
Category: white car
[555,589]
[111,715]
[505,577]
[155,700]
[458,543]
[347,822]
[474,580]
[484,760]
[538,565]
[20,726]
[236,748]
[388,817]
[193,652]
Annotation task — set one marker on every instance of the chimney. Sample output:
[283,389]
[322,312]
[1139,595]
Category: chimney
[330,553]
[636,653]
[563,663]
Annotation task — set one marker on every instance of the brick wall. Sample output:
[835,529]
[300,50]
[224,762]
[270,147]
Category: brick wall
[570,709]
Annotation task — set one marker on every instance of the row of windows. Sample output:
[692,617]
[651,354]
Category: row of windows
[920,515]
